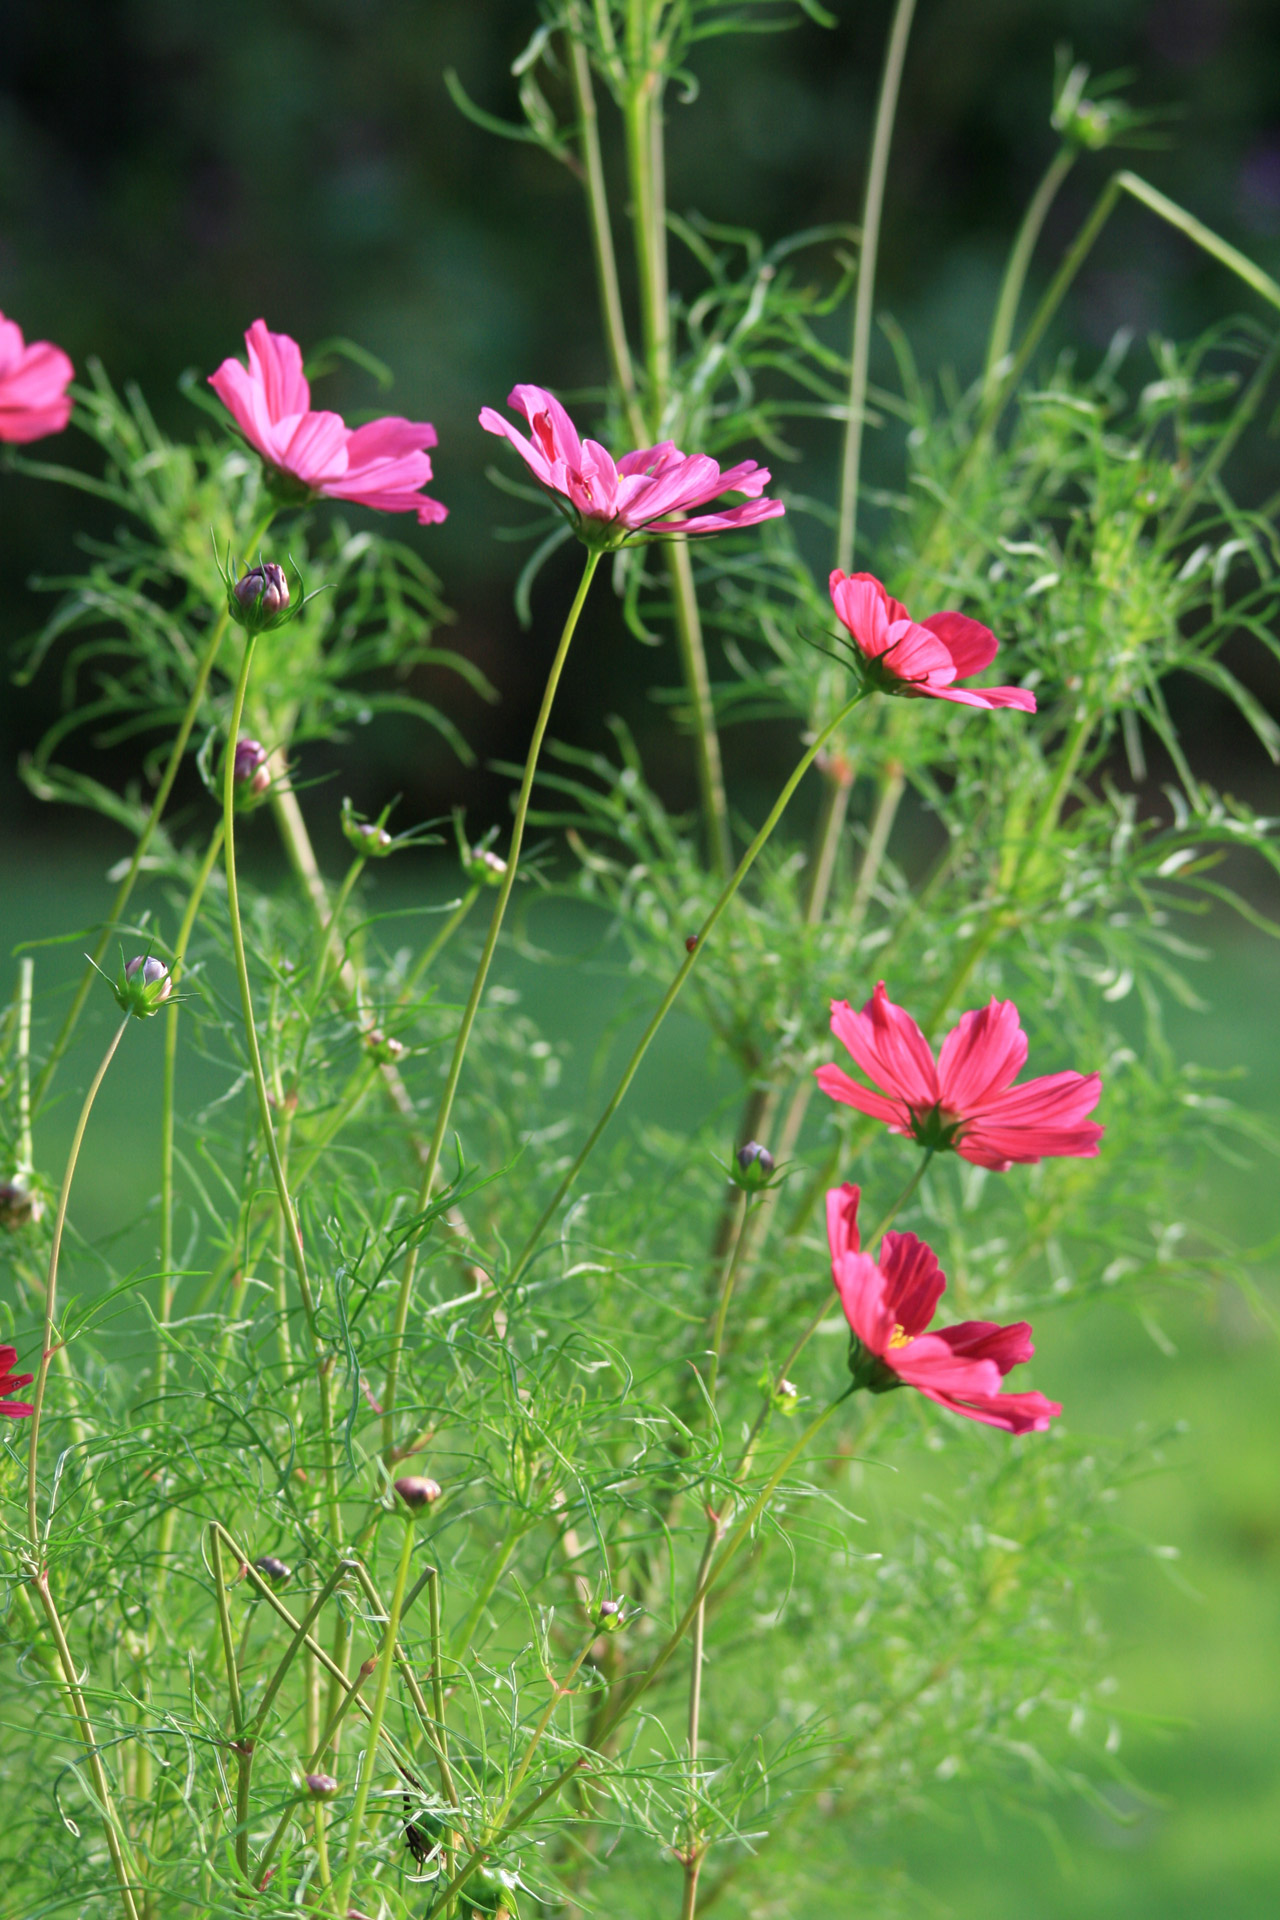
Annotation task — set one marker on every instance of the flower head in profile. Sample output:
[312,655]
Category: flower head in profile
[33,386]
[648,493]
[12,1409]
[383,465]
[964,1100]
[922,659]
[889,1302]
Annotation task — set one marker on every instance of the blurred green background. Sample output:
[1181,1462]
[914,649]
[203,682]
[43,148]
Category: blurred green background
[169,171]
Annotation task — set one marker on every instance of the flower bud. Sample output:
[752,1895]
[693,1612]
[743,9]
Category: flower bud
[20,1206]
[417,1491]
[142,987]
[260,598]
[786,1396]
[321,1786]
[754,1167]
[251,772]
[384,1047]
[370,840]
[272,1569]
[609,1615]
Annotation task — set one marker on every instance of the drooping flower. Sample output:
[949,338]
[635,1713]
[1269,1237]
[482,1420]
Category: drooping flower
[965,1099]
[919,658]
[383,465]
[33,386]
[653,491]
[12,1409]
[889,1302]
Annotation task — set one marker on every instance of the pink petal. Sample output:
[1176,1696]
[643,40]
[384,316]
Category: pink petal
[860,1285]
[842,1220]
[1012,1412]
[889,1047]
[987,697]
[751,514]
[388,439]
[1051,1100]
[275,363]
[971,645]
[838,1085]
[985,1340]
[981,1056]
[651,460]
[862,605]
[928,1363]
[494,423]
[681,485]
[315,449]
[917,656]
[553,431]
[914,1281]
[15,1409]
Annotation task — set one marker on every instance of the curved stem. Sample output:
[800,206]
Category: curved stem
[1024,245]
[864,297]
[477,990]
[167,1097]
[672,994]
[264,1102]
[379,1714]
[51,1284]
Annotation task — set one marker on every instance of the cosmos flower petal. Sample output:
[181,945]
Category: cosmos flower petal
[914,1279]
[981,1056]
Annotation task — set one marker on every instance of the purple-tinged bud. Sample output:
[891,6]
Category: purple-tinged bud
[251,772]
[321,1786]
[609,1615]
[20,1206]
[142,987]
[370,840]
[262,593]
[755,1167]
[273,1570]
[417,1491]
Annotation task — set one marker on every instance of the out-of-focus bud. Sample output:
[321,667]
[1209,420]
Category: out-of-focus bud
[321,1786]
[482,866]
[754,1167]
[609,1615]
[370,840]
[273,1570]
[20,1205]
[786,1397]
[142,986]
[417,1491]
[259,599]
[384,1047]
[252,774]
[491,1892]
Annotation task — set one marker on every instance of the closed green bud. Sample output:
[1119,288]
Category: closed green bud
[142,986]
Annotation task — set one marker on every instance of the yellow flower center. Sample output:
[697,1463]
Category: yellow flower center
[899,1339]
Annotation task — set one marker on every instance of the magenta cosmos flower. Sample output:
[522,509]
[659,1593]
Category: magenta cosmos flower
[889,1303]
[635,497]
[919,658]
[965,1099]
[12,1409]
[33,386]
[383,465]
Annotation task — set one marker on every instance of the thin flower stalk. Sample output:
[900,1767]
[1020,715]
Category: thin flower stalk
[445,1110]
[673,991]
[385,1664]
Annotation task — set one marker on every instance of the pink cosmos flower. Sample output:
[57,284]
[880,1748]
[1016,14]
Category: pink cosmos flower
[12,1409]
[965,1098]
[889,1303]
[383,465]
[637,495]
[924,658]
[33,386]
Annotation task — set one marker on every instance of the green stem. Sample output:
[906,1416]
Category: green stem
[379,1714]
[669,999]
[167,1098]
[864,297]
[26,988]
[405,1296]
[732,1267]
[51,1284]
[264,1102]
[615,326]
[1024,245]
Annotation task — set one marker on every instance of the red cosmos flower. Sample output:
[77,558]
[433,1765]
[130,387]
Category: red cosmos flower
[33,386]
[12,1409]
[634,495]
[965,1099]
[383,465]
[889,1303]
[901,655]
